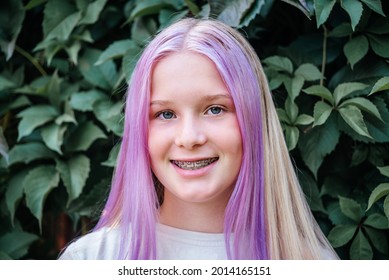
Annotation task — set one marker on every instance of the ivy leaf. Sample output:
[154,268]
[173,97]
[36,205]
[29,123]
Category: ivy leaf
[279,63]
[283,117]
[295,86]
[54,13]
[378,239]
[341,30]
[379,192]
[354,9]
[341,235]
[380,85]
[350,208]
[92,12]
[360,248]
[28,152]
[103,75]
[115,50]
[379,45]
[377,221]
[354,118]
[363,104]
[74,173]
[11,20]
[110,114]
[321,112]
[230,12]
[345,89]
[311,191]
[386,207]
[63,30]
[52,135]
[14,192]
[356,49]
[84,101]
[374,5]
[33,117]
[320,91]
[3,145]
[384,170]
[317,143]
[16,243]
[84,136]
[291,136]
[309,72]
[113,154]
[323,9]
[304,119]
[256,8]
[37,185]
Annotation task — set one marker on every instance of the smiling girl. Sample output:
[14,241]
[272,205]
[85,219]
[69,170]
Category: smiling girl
[203,171]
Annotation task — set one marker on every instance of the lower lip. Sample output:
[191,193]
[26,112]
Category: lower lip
[196,172]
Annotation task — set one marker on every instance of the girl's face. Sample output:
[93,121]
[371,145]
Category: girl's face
[194,140]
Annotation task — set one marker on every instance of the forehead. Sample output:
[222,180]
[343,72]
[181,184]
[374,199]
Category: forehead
[186,73]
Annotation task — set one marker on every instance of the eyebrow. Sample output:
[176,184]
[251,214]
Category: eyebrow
[207,98]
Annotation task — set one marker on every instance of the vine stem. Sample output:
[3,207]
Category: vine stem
[31,59]
[323,63]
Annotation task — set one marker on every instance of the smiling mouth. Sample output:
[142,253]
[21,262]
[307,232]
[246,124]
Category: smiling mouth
[193,165]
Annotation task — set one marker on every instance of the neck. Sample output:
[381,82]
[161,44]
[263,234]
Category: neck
[194,216]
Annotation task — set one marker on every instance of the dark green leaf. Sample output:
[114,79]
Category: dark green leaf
[14,192]
[5,83]
[84,136]
[341,30]
[320,91]
[309,72]
[230,12]
[384,170]
[110,114]
[34,117]
[363,104]
[147,7]
[3,145]
[386,207]
[379,44]
[92,12]
[84,101]
[167,17]
[323,9]
[74,173]
[354,118]
[291,110]
[63,30]
[37,185]
[377,221]
[321,112]
[360,248]
[257,7]
[55,12]
[375,6]
[379,192]
[103,75]
[52,135]
[380,85]
[379,26]
[341,235]
[350,208]
[283,116]
[115,50]
[317,143]
[304,119]
[378,239]
[311,192]
[11,19]
[28,152]
[345,89]
[279,63]
[291,136]
[143,29]
[194,9]
[354,9]
[356,49]
[16,244]
[111,161]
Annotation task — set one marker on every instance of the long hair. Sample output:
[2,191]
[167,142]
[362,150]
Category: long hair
[267,216]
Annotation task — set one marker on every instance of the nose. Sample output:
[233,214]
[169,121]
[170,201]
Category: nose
[190,134]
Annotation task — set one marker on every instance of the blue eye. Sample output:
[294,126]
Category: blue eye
[166,115]
[215,110]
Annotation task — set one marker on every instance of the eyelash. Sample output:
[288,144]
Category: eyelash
[160,114]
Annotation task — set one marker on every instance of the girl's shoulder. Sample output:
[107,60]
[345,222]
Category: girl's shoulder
[96,245]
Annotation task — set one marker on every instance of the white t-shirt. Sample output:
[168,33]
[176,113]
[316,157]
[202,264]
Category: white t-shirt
[172,244]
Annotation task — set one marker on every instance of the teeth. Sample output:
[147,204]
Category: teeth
[192,165]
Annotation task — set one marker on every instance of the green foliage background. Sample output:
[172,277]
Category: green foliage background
[63,68]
